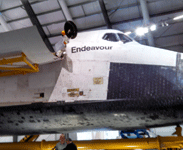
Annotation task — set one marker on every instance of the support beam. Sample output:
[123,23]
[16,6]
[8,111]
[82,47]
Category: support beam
[104,12]
[4,24]
[15,138]
[66,135]
[146,18]
[36,22]
[73,136]
[65,10]
[29,138]
[17,58]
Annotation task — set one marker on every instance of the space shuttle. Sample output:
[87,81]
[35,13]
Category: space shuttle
[95,79]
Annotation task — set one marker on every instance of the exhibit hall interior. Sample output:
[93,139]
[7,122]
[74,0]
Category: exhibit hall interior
[94,74]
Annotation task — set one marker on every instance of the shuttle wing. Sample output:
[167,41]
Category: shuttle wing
[41,118]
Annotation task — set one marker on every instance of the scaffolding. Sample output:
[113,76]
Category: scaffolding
[15,63]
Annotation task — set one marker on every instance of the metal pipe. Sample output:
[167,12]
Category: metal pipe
[4,24]
[65,10]
[144,143]
[146,18]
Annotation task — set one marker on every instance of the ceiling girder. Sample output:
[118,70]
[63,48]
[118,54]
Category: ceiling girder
[146,19]
[36,22]
[79,17]
[104,12]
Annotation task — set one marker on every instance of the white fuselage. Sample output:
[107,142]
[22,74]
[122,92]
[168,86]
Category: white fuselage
[84,73]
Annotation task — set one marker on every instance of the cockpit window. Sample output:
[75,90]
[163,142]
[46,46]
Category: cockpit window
[124,38]
[110,37]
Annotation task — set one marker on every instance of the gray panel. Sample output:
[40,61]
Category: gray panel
[76,11]
[9,4]
[21,24]
[90,21]
[51,17]
[169,40]
[125,14]
[170,30]
[15,13]
[74,2]
[118,3]
[92,8]
[28,41]
[163,6]
[45,6]
[178,48]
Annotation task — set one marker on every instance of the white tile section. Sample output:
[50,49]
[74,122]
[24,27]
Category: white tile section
[38,80]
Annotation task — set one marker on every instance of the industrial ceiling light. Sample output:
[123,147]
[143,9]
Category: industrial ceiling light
[141,31]
[153,27]
[128,33]
[146,30]
[166,24]
[162,24]
[178,17]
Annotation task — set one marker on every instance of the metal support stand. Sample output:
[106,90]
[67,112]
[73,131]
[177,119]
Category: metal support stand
[7,67]
[29,138]
[15,138]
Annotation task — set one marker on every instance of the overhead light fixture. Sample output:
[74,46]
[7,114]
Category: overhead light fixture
[128,33]
[166,24]
[178,17]
[146,30]
[141,31]
[162,24]
[153,27]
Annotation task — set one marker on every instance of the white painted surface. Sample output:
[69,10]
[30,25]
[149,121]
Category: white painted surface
[79,69]
[88,65]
